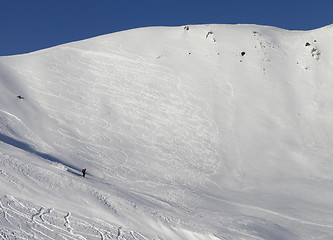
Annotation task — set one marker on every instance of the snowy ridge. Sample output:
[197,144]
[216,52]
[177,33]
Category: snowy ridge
[192,132]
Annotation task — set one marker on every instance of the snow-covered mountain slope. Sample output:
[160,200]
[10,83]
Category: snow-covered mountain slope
[195,132]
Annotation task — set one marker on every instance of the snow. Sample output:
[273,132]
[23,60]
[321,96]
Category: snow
[215,132]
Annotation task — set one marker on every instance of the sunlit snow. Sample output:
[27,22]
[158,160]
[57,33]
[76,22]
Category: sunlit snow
[194,132]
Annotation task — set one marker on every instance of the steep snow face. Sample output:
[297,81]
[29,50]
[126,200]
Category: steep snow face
[195,132]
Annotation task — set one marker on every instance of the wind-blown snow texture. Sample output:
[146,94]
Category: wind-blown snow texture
[197,132]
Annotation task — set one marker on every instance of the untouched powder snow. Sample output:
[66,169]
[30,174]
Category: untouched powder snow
[195,132]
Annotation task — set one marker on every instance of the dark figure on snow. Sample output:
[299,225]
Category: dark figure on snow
[83,172]
[19,97]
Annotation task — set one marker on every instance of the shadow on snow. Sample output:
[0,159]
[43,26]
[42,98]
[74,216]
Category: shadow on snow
[26,147]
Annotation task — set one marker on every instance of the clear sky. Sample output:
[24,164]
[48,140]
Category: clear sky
[30,25]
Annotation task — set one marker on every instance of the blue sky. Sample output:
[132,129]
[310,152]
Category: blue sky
[30,25]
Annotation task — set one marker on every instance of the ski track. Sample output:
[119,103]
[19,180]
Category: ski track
[145,135]
[114,202]
[131,104]
[53,224]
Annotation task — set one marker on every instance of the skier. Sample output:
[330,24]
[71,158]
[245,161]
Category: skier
[83,172]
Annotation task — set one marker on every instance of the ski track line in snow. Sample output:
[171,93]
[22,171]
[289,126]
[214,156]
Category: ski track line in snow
[4,212]
[268,211]
[130,100]
[27,221]
[286,216]
[38,214]
[119,233]
[67,223]
[12,115]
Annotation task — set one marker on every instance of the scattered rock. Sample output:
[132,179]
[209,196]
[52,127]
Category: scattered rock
[307,44]
[242,53]
[210,32]
[315,53]
[255,33]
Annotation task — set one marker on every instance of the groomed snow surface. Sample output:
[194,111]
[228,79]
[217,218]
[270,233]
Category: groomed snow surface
[203,132]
